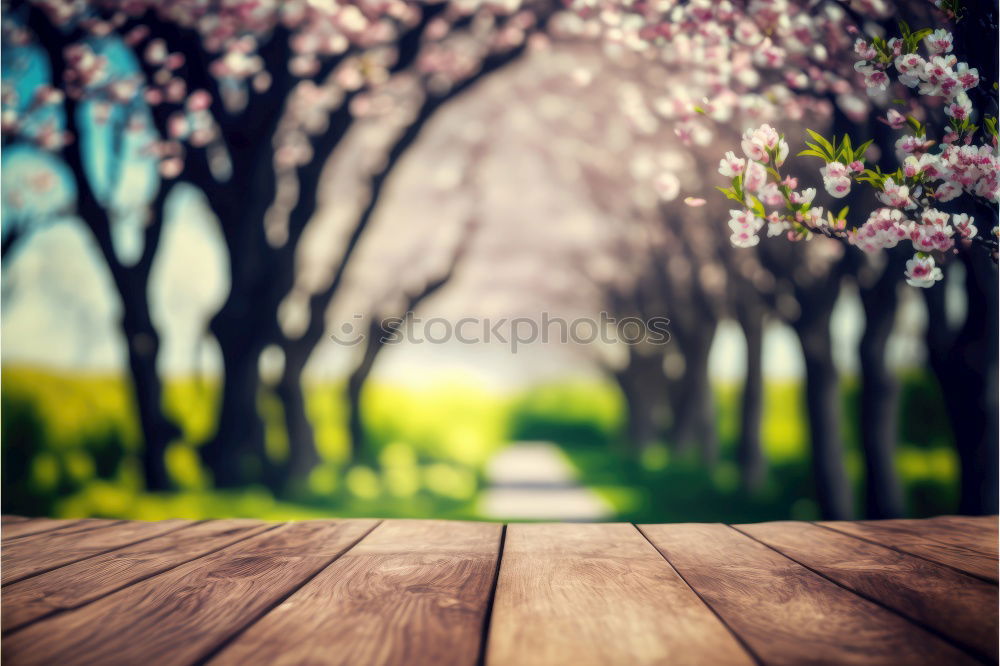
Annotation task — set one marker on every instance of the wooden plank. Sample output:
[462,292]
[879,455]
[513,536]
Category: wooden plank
[5,519]
[964,547]
[27,557]
[598,594]
[955,604]
[181,615]
[412,592]
[25,528]
[786,613]
[74,585]
[990,524]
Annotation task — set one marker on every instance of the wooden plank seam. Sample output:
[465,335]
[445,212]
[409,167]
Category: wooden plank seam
[907,552]
[280,600]
[484,639]
[944,637]
[59,528]
[10,630]
[739,639]
[95,554]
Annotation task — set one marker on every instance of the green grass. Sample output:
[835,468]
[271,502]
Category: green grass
[660,484]
[70,445]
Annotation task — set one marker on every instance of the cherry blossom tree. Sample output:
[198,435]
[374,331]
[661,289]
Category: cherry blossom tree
[779,62]
[237,100]
[940,196]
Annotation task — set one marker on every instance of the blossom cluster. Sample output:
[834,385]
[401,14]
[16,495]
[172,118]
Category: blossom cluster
[342,52]
[757,184]
[961,164]
[729,63]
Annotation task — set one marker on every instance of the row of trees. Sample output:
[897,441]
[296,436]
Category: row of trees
[250,103]
[681,266]
[245,103]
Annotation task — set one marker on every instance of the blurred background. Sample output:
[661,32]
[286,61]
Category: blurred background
[169,315]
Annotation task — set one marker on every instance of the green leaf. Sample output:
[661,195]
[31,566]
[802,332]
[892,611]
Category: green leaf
[846,150]
[729,193]
[811,153]
[860,152]
[821,140]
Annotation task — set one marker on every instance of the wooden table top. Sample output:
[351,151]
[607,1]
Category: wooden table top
[436,592]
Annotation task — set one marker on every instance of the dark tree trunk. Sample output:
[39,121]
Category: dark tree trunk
[694,404]
[355,423]
[879,398]
[966,368]
[157,430]
[302,454]
[833,489]
[643,386]
[131,282]
[749,449]
[236,454]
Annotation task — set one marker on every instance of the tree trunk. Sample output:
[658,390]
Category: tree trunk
[236,454]
[355,424]
[966,368]
[373,344]
[694,407]
[157,430]
[643,386]
[879,399]
[823,406]
[749,449]
[302,454]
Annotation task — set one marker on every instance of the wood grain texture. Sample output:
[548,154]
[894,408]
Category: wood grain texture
[181,615]
[955,604]
[24,528]
[786,613]
[967,544]
[411,593]
[598,594]
[11,519]
[26,557]
[76,584]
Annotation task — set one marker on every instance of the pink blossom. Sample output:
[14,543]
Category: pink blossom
[939,41]
[864,50]
[731,166]
[895,119]
[744,225]
[667,185]
[963,224]
[947,191]
[771,196]
[755,178]
[967,78]
[805,196]
[199,100]
[959,108]
[921,271]
[835,179]
[895,195]
[884,228]
[776,224]
[757,142]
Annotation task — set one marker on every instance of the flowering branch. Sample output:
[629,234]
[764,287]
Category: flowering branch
[963,165]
